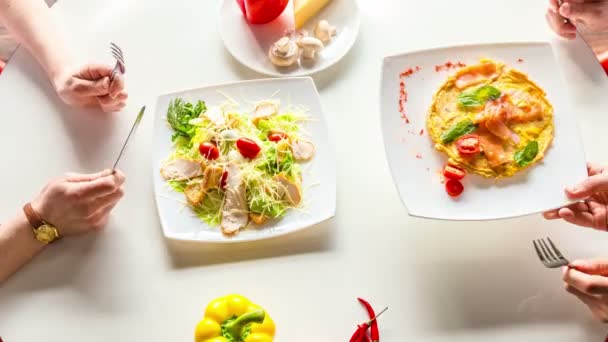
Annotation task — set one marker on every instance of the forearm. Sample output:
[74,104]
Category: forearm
[17,245]
[34,26]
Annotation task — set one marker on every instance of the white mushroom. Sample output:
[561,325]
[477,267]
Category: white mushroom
[284,52]
[324,31]
[310,47]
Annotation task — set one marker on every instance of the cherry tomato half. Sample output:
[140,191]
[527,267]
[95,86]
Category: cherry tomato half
[468,145]
[276,137]
[209,150]
[453,172]
[248,148]
[224,180]
[454,188]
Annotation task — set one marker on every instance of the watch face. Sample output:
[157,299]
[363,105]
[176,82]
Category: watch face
[46,233]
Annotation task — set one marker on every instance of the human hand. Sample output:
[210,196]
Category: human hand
[90,86]
[592,210]
[587,15]
[79,203]
[588,281]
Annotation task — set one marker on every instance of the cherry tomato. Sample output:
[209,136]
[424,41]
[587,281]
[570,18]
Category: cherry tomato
[276,137]
[453,172]
[209,150]
[454,188]
[248,148]
[468,145]
[224,179]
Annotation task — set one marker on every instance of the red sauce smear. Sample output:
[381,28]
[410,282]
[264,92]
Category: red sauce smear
[520,60]
[449,65]
[418,155]
[422,131]
[403,91]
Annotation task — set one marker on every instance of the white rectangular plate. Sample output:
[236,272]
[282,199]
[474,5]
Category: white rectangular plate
[319,175]
[416,165]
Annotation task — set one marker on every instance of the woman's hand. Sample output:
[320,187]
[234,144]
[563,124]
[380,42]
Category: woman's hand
[79,203]
[90,86]
[588,281]
[592,210]
[589,16]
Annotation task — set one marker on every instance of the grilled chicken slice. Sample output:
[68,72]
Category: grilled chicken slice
[291,191]
[264,110]
[182,169]
[215,114]
[302,150]
[234,213]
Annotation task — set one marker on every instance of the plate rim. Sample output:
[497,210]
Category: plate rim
[295,74]
[331,211]
[393,172]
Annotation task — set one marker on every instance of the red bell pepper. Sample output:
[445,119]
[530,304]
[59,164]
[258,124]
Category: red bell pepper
[262,11]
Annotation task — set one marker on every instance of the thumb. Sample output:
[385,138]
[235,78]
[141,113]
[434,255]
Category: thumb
[591,266]
[579,11]
[588,187]
[88,88]
[79,177]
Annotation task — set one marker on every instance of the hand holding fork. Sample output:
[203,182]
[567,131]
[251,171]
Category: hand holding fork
[585,279]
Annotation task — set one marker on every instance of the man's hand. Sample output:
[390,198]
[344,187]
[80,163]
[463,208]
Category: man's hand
[588,16]
[78,203]
[588,281]
[592,210]
[90,86]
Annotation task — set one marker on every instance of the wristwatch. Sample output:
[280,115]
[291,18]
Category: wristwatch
[43,231]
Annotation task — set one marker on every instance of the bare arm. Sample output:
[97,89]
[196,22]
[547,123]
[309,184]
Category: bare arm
[76,204]
[33,25]
[17,245]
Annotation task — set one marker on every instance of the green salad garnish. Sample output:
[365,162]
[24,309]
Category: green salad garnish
[526,155]
[457,130]
[478,97]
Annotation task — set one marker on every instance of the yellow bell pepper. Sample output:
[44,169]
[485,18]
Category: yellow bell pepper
[234,318]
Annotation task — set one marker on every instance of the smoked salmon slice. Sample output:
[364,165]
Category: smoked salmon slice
[492,148]
[475,75]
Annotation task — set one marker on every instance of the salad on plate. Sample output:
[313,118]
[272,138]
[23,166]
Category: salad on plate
[237,169]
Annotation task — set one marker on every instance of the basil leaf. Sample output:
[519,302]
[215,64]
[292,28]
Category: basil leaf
[457,130]
[479,96]
[526,155]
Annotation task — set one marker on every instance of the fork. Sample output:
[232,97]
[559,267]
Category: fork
[549,254]
[120,60]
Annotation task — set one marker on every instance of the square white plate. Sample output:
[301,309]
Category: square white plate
[319,175]
[416,165]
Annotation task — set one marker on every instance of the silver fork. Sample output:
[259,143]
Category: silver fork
[120,60]
[548,253]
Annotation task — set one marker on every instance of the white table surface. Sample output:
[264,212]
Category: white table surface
[443,281]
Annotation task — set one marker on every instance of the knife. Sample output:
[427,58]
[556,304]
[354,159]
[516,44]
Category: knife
[133,129]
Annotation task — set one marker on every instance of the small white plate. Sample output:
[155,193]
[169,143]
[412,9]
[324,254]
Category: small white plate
[416,165]
[319,175]
[249,44]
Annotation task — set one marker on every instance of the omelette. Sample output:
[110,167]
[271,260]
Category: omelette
[491,120]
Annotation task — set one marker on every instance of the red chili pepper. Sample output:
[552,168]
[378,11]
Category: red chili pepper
[374,324]
[359,334]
